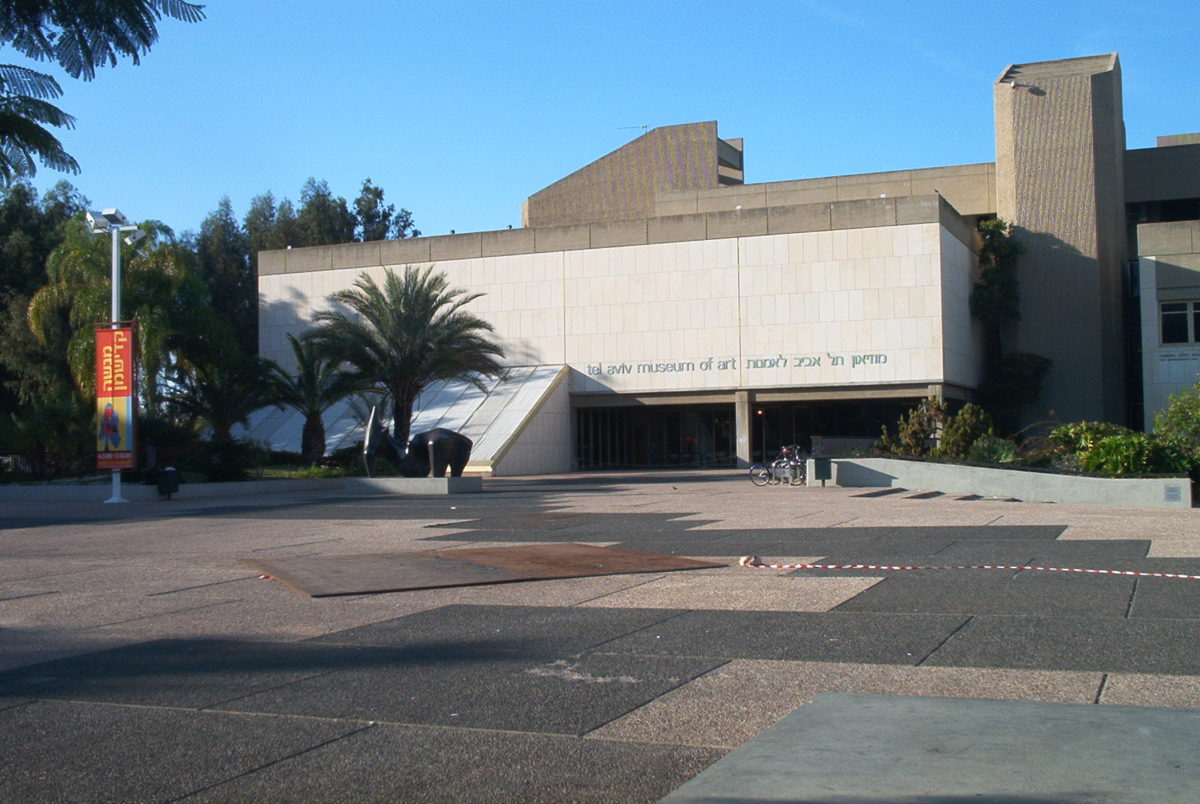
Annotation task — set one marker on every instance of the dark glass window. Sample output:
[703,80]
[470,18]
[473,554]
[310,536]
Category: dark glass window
[655,437]
[1175,322]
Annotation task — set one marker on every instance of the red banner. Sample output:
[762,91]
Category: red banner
[116,371]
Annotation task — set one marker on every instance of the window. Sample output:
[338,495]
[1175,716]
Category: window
[1180,322]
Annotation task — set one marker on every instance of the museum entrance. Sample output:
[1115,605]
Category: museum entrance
[655,437]
[704,436]
[779,423]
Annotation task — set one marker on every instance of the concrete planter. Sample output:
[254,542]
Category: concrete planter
[1029,486]
[414,485]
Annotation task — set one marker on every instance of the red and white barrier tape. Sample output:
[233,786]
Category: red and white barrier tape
[756,562]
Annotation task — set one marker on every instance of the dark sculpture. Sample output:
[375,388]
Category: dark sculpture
[434,449]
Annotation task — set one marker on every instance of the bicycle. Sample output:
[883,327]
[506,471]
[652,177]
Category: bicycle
[788,467]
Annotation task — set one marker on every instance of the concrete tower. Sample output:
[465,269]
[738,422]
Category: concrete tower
[1060,143]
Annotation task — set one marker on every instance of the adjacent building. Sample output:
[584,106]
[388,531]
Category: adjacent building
[657,311]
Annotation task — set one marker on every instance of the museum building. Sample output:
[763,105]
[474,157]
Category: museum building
[657,311]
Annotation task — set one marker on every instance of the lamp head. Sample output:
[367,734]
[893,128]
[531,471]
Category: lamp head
[115,216]
[134,236]
[97,221]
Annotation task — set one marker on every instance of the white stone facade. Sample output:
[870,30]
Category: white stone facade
[1172,367]
[871,306]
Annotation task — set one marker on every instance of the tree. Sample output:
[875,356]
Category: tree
[224,393]
[403,336]
[1011,380]
[159,285]
[312,390]
[219,395]
[1010,383]
[1178,425]
[269,226]
[995,299]
[30,228]
[25,111]
[223,261]
[79,36]
[322,218]
[379,221]
[44,417]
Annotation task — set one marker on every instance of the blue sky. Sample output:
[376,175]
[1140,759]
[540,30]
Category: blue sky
[460,110]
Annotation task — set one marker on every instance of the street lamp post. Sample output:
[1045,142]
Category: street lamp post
[112,222]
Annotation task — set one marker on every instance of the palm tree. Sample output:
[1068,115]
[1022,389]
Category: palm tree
[219,395]
[316,385]
[24,113]
[160,291]
[403,336]
[222,394]
[80,36]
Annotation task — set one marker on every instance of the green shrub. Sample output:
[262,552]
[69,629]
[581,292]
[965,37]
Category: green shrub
[917,430]
[348,459]
[1081,437]
[1132,454]
[227,460]
[993,449]
[1178,426]
[1010,383]
[312,472]
[962,430]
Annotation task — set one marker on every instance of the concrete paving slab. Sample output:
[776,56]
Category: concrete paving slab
[740,699]
[1000,551]
[855,748]
[177,673]
[1187,546]
[64,751]
[1044,643]
[947,532]
[832,636]
[1147,689]
[741,592]
[474,689]
[860,551]
[461,765]
[996,592]
[1168,597]
[533,630]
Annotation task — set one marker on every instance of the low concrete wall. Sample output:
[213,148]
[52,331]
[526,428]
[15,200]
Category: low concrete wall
[100,492]
[1029,486]
[136,492]
[414,485]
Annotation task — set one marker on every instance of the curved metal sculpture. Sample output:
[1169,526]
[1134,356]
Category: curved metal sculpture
[426,454]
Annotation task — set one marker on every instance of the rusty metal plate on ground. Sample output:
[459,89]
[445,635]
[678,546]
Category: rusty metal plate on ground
[572,560]
[374,573]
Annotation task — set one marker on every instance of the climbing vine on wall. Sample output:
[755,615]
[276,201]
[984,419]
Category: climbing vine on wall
[1011,379]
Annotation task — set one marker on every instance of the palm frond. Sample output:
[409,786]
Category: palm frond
[16,80]
[85,34]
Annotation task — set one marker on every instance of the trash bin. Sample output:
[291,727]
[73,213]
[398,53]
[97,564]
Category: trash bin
[168,481]
[822,469]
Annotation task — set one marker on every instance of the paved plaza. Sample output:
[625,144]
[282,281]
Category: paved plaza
[141,661]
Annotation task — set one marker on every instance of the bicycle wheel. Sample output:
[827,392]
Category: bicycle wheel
[798,475]
[760,475]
